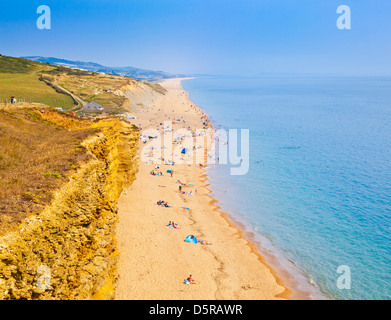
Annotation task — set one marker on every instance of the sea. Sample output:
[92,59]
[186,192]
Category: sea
[317,195]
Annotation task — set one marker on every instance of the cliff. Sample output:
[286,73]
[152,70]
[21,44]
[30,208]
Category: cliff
[140,94]
[68,250]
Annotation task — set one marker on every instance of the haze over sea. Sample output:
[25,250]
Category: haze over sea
[318,190]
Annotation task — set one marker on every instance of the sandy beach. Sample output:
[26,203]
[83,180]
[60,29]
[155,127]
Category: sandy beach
[154,259]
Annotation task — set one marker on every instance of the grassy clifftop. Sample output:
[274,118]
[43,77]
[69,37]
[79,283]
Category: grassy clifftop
[16,65]
[21,78]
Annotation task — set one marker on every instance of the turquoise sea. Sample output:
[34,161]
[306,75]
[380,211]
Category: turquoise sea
[318,192]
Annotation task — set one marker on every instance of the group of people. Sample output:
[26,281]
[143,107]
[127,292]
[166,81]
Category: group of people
[172,224]
[190,193]
[181,186]
[163,204]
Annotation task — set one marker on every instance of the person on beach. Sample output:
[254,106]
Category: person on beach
[180,188]
[189,280]
[163,204]
[167,205]
[173,225]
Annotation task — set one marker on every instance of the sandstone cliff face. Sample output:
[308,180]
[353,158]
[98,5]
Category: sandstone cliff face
[68,251]
[140,94]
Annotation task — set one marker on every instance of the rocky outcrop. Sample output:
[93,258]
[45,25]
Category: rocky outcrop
[69,251]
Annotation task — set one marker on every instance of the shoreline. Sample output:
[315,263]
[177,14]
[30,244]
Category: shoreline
[297,285]
[245,235]
[241,272]
[283,277]
[286,278]
[242,230]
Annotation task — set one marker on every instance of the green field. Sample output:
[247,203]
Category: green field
[21,79]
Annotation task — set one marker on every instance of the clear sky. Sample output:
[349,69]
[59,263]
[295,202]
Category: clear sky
[206,36]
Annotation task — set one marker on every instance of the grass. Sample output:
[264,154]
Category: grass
[16,65]
[29,88]
[53,174]
[36,157]
[96,87]
[21,78]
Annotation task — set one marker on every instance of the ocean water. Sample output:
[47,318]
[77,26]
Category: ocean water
[318,190]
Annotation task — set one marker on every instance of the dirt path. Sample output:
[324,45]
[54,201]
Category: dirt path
[76,98]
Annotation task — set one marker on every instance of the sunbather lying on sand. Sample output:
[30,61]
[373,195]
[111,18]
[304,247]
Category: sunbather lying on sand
[190,280]
[163,204]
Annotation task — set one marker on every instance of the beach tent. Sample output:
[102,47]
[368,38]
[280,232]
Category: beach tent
[191,239]
[184,150]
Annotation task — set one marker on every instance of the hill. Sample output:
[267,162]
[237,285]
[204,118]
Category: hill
[136,73]
[15,65]
[69,89]
[21,78]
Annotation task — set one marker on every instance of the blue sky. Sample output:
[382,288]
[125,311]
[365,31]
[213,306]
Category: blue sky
[206,36]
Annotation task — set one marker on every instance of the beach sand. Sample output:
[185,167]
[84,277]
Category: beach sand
[154,260]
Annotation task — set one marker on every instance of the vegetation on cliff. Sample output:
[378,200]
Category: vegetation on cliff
[74,171]
[36,157]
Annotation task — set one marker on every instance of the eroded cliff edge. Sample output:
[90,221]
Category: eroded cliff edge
[69,250]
